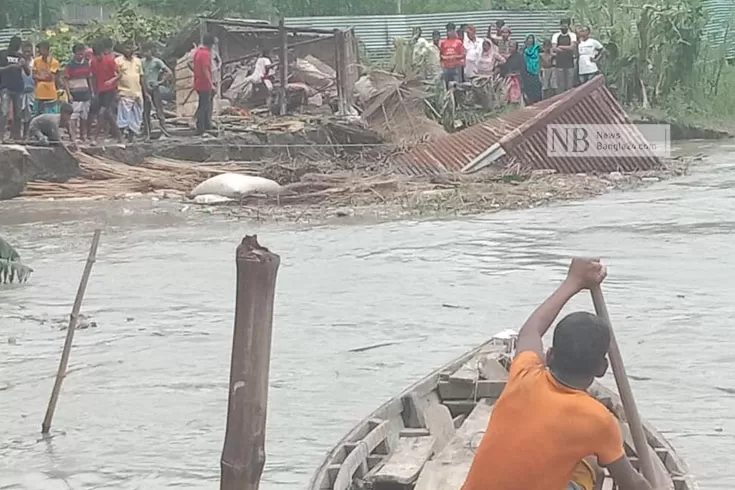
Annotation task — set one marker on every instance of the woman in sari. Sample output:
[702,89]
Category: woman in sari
[511,71]
[531,79]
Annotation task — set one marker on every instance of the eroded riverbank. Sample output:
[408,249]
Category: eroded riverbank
[145,405]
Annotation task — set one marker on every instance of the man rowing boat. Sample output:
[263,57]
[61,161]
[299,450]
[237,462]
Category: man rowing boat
[546,432]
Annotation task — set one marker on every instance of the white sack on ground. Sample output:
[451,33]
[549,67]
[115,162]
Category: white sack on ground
[211,199]
[236,186]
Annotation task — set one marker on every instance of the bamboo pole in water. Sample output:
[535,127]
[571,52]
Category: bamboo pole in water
[243,455]
[626,393]
[63,364]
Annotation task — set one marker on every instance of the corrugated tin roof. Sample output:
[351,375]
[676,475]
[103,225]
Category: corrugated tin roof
[7,34]
[376,32]
[521,135]
[720,25]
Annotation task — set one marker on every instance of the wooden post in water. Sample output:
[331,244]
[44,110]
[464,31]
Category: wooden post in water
[626,394]
[283,68]
[243,455]
[64,363]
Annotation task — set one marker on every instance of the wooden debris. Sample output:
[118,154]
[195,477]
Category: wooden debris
[405,463]
[450,390]
[448,469]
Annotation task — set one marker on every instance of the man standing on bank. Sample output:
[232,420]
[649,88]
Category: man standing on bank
[563,46]
[590,51]
[204,84]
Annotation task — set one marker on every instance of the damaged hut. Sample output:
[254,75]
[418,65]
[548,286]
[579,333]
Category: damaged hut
[262,65]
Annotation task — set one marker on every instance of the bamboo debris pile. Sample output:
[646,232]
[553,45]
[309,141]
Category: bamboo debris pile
[106,178]
[395,107]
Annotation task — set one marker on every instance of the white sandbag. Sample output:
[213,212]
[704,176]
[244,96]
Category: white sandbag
[236,186]
[212,199]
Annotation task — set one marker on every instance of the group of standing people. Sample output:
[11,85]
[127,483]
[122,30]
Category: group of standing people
[529,72]
[96,93]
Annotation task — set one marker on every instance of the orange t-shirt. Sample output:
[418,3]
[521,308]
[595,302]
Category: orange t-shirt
[539,430]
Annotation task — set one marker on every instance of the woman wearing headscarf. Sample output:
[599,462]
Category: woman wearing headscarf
[489,59]
[531,80]
[512,71]
[486,77]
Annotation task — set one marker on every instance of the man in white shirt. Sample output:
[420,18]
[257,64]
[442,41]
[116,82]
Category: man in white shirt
[563,45]
[590,51]
[472,49]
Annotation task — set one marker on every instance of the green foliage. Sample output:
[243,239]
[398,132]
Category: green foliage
[652,49]
[127,24]
[11,268]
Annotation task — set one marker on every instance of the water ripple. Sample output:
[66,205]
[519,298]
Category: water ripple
[361,312]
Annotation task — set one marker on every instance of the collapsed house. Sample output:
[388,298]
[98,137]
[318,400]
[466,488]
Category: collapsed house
[319,67]
[520,138]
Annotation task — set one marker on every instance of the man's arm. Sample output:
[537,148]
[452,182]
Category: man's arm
[583,274]
[626,476]
[599,50]
[167,73]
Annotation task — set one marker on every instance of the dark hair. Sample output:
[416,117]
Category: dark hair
[78,47]
[581,341]
[499,23]
[26,44]
[208,40]
[44,45]
[451,26]
[436,33]
[14,44]
[66,108]
[566,21]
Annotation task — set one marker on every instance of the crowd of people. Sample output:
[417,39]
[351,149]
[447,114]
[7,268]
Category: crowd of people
[528,71]
[98,92]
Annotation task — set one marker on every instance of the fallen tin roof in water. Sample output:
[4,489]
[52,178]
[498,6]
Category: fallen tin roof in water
[520,136]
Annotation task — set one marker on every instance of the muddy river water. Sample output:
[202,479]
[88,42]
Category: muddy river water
[144,405]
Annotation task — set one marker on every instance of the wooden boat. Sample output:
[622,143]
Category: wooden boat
[424,439]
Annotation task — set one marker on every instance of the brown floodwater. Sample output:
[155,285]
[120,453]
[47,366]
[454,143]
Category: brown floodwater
[144,404]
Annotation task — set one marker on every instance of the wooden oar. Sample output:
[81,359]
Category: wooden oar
[626,394]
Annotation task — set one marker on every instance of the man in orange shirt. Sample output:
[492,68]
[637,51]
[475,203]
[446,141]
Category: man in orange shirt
[451,53]
[45,72]
[545,424]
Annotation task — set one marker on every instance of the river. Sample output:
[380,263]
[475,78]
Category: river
[144,405]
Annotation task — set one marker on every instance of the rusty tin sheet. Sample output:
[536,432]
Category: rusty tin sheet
[522,136]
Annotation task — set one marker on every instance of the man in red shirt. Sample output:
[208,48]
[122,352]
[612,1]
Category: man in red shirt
[204,83]
[104,73]
[451,52]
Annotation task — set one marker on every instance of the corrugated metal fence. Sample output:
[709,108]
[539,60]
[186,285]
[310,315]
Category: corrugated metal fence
[7,34]
[720,25]
[376,32]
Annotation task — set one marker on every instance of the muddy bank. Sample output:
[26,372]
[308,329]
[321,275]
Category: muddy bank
[380,200]
[330,136]
[682,129]
[352,197]
[22,164]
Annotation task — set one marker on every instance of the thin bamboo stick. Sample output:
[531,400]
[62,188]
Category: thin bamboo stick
[626,393]
[63,364]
